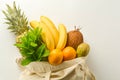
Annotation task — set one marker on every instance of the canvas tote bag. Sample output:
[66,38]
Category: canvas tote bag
[75,69]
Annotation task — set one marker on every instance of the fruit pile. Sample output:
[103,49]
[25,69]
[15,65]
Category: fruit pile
[63,45]
[42,41]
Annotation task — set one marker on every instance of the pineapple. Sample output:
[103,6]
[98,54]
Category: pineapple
[16,20]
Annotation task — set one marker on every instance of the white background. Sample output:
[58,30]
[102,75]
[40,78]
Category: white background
[100,22]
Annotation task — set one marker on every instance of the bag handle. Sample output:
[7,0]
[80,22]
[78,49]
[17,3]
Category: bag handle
[84,73]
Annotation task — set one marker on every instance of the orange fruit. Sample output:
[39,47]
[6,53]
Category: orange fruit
[55,57]
[69,53]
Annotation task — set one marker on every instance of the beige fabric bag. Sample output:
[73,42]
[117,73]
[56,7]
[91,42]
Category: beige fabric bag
[75,69]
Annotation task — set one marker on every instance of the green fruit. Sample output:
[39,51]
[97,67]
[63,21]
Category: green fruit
[83,50]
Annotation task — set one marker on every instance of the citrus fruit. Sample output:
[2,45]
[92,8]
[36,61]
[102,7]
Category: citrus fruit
[69,53]
[55,57]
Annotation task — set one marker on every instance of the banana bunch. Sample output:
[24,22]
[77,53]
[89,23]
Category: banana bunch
[50,35]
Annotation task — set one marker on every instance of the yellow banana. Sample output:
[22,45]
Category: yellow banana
[62,37]
[51,27]
[46,34]
[34,24]
[49,40]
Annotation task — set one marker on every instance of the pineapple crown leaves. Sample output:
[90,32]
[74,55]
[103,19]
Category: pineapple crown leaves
[16,19]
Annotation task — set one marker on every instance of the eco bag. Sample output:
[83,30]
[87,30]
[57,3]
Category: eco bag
[75,69]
